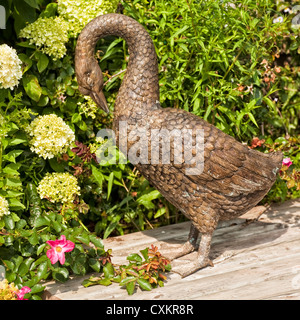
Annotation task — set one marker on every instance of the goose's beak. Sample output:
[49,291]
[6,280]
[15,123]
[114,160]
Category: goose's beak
[100,100]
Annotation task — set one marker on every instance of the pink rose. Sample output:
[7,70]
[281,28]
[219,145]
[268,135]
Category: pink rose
[287,162]
[21,293]
[58,249]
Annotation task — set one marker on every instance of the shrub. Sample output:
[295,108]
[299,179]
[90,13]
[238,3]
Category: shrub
[228,63]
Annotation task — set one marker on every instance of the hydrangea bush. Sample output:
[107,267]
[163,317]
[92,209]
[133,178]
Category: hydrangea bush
[59,187]
[48,34]
[80,12]
[237,68]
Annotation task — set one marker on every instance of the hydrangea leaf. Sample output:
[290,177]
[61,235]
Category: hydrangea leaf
[32,87]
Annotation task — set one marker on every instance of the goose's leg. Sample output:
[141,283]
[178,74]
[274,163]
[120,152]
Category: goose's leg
[188,247]
[202,260]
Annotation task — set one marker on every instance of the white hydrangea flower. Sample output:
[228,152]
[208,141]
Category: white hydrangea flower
[49,34]
[59,187]
[51,136]
[10,67]
[4,207]
[79,12]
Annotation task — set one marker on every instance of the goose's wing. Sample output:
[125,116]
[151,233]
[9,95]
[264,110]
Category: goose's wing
[230,168]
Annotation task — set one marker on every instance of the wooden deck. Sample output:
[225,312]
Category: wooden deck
[255,257]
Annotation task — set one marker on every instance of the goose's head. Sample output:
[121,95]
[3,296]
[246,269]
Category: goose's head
[90,81]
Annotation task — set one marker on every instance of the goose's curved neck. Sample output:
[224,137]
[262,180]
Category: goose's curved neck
[140,88]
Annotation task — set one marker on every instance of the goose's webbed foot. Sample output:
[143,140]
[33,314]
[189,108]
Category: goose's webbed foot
[188,247]
[186,268]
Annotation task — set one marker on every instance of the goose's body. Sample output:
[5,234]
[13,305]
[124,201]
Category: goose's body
[233,178]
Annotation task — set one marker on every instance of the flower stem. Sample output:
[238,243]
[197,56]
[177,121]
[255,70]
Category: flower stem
[81,223]
[62,213]
[63,209]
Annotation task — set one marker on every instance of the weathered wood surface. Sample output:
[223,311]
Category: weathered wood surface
[255,257]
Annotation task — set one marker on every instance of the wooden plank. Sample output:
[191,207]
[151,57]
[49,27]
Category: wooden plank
[256,257]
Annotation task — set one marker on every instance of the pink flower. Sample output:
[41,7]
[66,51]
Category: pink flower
[58,249]
[21,293]
[287,162]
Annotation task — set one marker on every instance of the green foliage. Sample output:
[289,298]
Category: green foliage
[144,271]
[228,63]
[13,141]
[288,182]
[24,252]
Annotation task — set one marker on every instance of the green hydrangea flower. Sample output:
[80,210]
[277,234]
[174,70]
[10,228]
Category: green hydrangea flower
[48,34]
[50,136]
[79,12]
[59,187]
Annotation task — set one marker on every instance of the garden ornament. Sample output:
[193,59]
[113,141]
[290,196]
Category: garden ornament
[202,171]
